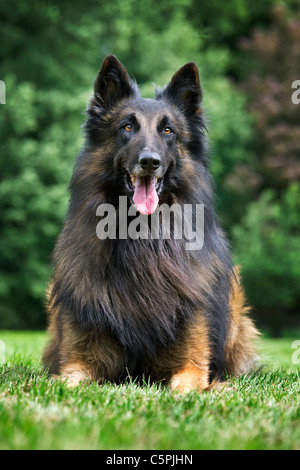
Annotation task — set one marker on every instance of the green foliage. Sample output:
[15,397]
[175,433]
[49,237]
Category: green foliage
[39,140]
[226,106]
[277,119]
[267,242]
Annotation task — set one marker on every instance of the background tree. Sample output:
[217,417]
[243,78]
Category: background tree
[267,240]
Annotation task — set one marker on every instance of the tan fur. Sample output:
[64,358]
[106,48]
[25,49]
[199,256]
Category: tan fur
[187,361]
[189,378]
[240,348]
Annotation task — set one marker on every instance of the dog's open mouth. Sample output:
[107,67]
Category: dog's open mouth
[145,191]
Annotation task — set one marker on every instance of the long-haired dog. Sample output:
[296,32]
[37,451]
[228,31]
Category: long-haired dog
[145,306]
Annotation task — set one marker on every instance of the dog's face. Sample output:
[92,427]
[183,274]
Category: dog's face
[146,140]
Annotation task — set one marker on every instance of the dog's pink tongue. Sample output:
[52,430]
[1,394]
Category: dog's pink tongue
[145,197]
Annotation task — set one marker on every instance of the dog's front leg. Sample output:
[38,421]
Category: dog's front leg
[191,367]
[87,356]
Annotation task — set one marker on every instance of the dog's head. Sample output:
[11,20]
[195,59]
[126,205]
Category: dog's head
[145,142]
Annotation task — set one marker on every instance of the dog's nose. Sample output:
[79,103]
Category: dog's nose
[149,160]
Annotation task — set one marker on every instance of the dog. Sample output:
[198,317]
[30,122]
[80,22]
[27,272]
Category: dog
[145,307]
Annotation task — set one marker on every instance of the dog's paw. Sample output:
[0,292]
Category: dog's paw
[188,379]
[74,376]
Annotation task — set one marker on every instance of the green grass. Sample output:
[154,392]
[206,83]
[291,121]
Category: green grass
[256,412]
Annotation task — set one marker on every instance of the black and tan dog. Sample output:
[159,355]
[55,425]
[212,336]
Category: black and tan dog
[145,307]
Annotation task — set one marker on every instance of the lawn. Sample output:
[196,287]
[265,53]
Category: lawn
[255,412]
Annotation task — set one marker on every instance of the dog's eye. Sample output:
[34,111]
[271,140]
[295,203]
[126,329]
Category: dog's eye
[128,127]
[168,130]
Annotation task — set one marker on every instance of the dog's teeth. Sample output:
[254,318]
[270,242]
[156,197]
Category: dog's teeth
[133,180]
[155,180]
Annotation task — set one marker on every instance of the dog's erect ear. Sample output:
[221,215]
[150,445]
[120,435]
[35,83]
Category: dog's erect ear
[112,83]
[184,89]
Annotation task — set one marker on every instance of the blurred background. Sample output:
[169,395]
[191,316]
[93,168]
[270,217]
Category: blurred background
[248,53]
